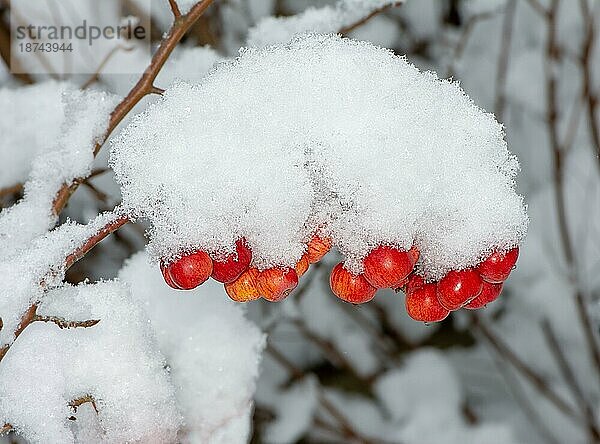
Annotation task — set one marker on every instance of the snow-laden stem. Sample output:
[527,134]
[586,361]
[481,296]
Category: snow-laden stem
[143,87]
[30,316]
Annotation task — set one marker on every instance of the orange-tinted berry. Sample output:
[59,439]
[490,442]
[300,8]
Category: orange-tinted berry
[244,289]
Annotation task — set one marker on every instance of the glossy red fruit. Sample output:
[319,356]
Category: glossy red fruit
[489,293]
[498,265]
[190,270]
[458,288]
[274,284]
[302,265]
[317,248]
[353,288]
[387,266]
[244,289]
[422,304]
[167,277]
[230,268]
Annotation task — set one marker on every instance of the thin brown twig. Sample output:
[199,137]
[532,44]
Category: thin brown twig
[83,400]
[26,319]
[465,35]
[73,404]
[347,29]
[96,75]
[64,323]
[175,8]
[94,240]
[143,87]
[14,189]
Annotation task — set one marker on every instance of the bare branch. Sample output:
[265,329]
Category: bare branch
[63,323]
[30,315]
[175,8]
[96,76]
[352,27]
[26,319]
[14,189]
[90,243]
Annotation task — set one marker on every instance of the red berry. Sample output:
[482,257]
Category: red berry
[489,293]
[422,304]
[243,289]
[229,269]
[317,248]
[302,265]
[353,288]
[190,270]
[167,277]
[274,284]
[387,267]
[498,265]
[458,288]
[414,281]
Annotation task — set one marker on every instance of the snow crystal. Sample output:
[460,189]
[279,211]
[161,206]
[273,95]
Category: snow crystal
[328,19]
[212,350]
[323,133]
[63,151]
[116,362]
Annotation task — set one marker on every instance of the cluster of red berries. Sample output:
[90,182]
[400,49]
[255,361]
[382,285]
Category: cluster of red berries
[471,288]
[387,267]
[384,267]
[243,283]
